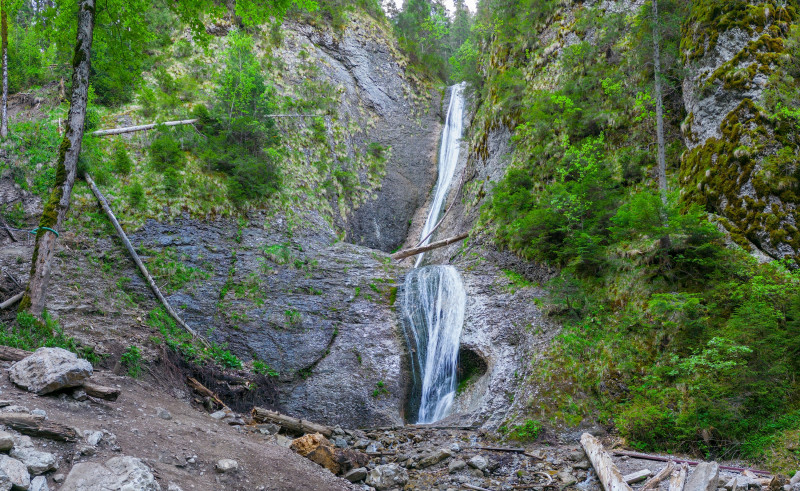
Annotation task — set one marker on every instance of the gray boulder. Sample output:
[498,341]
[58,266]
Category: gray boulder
[37,462]
[6,441]
[117,474]
[478,462]
[227,465]
[16,472]
[435,457]
[704,477]
[456,465]
[356,475]
[387,477]
[39,483]
[50,369]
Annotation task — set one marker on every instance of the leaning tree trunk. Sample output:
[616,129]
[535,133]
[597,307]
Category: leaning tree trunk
[57,205]
[4,35]
[662,160]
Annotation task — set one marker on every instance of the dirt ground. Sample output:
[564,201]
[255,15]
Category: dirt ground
[182,450]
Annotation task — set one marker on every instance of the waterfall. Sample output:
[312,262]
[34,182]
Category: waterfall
[435,299]
[448,158]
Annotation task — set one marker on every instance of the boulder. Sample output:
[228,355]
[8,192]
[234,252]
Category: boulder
[350,459]
[318,449]
[456,465]
[478,462]
[435,457]
[704,477]
[16,472]
[37,462]
[50,369]
[387,476]
[119,473]
[5,482]
[356,475]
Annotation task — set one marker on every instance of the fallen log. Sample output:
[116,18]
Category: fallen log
[11,301]
[38,426]
[659,458]
[678,478]
[7,353]
[124,238]
[204,391]
[637,476]
[141,127]
[435,245]
[476,488]
[607,472]
[660,476]
[295,425]
[101,391]
[502,449]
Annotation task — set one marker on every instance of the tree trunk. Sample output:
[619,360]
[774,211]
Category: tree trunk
[4,35]
[58,204]
[295,425]
[662,160]
[419,250]
[607,472]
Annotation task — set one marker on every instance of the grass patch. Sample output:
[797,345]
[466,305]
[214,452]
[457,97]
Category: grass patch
[28,333]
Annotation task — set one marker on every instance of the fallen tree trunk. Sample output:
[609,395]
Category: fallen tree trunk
[124,238]
[8,353]
[38,426]
[11,301]
[435,245]
[101,391]
[607,472]
[141,127]
[205,391]
[660,476]
[292,424]
[658,458]
[678,478]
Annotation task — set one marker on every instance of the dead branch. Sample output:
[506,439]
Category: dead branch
[419,250]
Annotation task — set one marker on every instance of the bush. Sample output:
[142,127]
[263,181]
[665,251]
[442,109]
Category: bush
[132,360]
[166,153]
[122,163]
[136,195]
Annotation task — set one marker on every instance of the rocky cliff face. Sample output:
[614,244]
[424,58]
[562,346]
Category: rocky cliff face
[738,162]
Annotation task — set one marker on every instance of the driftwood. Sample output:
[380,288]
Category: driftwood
[292,424]
[654,481]
[435,245]
[124,238]
[659,458]
[141,127]
[637,476]
[8,353]
[678,478]
[607,472]
[204,391]
[38,426]
[8,231]
[11,301]
[101,391]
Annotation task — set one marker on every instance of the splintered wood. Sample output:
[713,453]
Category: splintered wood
[607,472]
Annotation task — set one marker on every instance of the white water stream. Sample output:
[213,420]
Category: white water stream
[435,299]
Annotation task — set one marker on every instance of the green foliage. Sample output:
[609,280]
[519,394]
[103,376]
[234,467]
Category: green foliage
[423,29]
[166,153]
[169,270]
[136,195]
[190,348]
[526,432]
[131,359]
[29,333]
[122,163]
[261,368]
[380,389]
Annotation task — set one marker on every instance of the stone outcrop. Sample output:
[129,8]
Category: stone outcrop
[50,369]
[740,158]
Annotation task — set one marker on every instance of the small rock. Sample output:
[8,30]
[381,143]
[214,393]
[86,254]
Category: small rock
[576,456]
[455,448]
[338,431]
[163,413]
[218,415]
[268,429]
[456,465]
[477,473]
[361,444]
[87,450]
[583,465]
[371,448]
[48,370]
[227,465]
[59,478]
[356,475]
[478,462]
[795,479]
[6,441]
[39,412]
[340,442]
[566,477]
[16,471]
[93,437]
[37,462]
[387,477]
[435,458]
[79,394]
[39,483]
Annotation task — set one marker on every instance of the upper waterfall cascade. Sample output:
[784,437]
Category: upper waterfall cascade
[435,300]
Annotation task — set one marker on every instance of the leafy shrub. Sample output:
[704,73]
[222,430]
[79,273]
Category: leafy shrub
[528,431]
[122,163]
[131,359]
[136,195]
[261,368]
[166,153]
